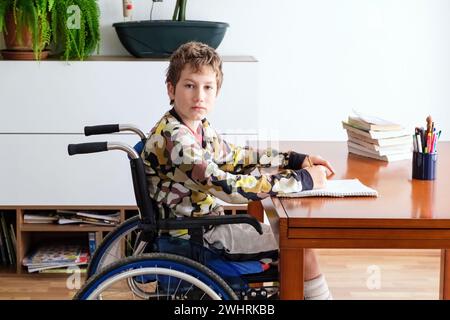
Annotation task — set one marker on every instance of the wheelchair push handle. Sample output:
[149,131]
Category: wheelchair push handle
[90,147]
[113,128]
[101,129]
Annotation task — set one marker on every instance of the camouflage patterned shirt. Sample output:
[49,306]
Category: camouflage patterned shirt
[186,175]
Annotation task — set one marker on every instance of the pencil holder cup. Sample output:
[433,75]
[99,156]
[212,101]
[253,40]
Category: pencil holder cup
[424,166]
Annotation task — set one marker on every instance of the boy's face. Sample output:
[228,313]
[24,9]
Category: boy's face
[194,95]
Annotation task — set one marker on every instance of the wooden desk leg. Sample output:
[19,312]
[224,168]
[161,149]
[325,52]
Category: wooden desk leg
[256,210]
[444,289]
[291,274]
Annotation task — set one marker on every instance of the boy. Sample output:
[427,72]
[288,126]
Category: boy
[188,165]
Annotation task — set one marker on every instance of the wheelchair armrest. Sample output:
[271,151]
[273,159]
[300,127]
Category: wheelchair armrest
[188,223]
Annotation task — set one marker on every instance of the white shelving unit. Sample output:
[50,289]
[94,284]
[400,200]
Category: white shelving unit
[45,105]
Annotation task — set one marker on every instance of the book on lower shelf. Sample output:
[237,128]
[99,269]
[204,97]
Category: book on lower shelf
[92,237]
[56,256]
[379,139]
[80,269]
[40,217]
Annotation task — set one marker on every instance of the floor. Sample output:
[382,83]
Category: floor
[351,274]
[382,274]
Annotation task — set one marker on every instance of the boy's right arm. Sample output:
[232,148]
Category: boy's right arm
[236,159]
[193,164]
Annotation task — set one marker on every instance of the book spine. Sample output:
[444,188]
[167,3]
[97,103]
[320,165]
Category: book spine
[7,239]
[92,243]
[12,233]
[4,259]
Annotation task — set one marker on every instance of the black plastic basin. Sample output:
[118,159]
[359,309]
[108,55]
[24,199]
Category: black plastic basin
[160,38]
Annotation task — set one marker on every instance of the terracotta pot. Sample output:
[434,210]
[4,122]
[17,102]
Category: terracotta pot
[23,55]
[15,49]
[11,38]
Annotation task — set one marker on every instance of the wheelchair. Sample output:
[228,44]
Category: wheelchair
[160,265]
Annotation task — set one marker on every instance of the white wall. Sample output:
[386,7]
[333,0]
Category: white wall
[319,59]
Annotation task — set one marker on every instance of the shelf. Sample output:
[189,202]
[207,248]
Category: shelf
[67,207]
[64,228]
[7,269]
[29,234]
[116,58]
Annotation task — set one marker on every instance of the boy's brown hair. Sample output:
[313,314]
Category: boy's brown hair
[197,55]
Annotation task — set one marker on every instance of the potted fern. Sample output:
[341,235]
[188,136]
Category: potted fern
[160,38]
[34,28]
[74,39]
[26,28]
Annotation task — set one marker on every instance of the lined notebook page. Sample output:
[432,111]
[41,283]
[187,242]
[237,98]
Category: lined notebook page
[336,188]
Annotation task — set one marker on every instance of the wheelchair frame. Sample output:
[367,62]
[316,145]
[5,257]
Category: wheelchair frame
[148,224]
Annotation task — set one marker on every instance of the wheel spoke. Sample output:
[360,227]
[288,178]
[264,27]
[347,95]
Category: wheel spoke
[168,288]
[175,293]
[157,286]
[192,285]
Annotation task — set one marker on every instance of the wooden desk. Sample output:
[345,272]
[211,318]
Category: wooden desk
[408,214]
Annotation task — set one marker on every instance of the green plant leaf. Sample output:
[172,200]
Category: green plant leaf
[176,11]
[182,16]
[47,22]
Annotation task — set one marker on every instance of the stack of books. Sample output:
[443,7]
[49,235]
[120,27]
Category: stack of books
[72,217]
[69,217]
[377,138]
[57,256]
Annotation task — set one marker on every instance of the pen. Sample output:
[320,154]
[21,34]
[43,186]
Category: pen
[419,143]
[422,139]
[433,140]
[437,135]
[416,140]
[428,145]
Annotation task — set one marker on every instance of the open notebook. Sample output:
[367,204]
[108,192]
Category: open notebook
[336,188]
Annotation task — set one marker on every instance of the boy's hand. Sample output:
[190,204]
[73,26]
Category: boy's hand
[318,160]
[318,175]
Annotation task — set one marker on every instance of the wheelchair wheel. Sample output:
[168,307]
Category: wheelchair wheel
[160,276]
[118,244]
